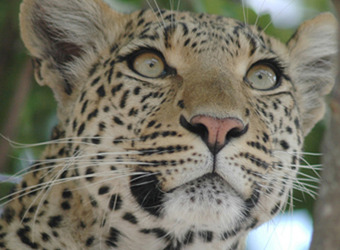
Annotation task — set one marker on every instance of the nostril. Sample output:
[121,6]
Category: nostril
[215,132]
[236,132]
[199,129]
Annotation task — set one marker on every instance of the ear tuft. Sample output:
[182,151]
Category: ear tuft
[313,53]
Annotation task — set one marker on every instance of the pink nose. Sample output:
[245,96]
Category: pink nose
[218,132]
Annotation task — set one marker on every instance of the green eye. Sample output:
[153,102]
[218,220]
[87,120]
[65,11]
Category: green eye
[262,77]
[148,64]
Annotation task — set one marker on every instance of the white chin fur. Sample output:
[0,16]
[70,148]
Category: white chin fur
[203,204]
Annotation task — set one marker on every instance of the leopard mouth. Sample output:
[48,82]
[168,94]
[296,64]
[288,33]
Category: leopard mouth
[205,191]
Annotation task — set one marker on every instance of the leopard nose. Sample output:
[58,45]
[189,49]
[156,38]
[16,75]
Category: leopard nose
[215,132]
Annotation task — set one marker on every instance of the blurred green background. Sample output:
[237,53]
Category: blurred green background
[28,111]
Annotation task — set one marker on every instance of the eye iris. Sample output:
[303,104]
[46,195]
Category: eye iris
[262,77]
[149,65]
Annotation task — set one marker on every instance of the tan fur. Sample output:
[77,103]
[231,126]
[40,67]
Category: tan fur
[128,168]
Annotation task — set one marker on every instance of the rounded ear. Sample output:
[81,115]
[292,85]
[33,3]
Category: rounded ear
[313,52]
[64,37]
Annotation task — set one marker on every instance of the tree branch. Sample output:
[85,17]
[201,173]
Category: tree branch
[327,211]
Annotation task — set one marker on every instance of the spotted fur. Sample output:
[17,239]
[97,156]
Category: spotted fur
[126,167]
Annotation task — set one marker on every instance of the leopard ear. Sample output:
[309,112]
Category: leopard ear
[63,37]
[313,52]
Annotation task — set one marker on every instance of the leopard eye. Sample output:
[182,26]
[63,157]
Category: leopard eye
[148,64]
[262,77]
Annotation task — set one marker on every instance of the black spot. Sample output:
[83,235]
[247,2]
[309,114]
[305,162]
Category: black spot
[2,235]
[67,193]
[130,218]
[136,91]
[68,88]
[284,144]
[115,202]
[54,221]
[109,77]
[158,232]
[93,69]
[207,236]
[102,126]
[297,123]
[289,130]
[151,123]
[82,96]
[101,91]
[247,112]
[119,74]
[118,121]
[32,209]
[8,214]
[276,208]
[95,81]
[89,171]
[124,98]
[103,190]
[22,234]
[81,129]
[112,240]
[230,233]
[265,137]
[93,114]
[145,97]
[115,89]
[82,224]
[113,48]
[65,205]
[89,241]
[188,238]
[93,202]
[181,104]
[141,21]
[84,107]
[145,189]
[45,237]
[252,201]
[186,42]
[95,139]
[106,109]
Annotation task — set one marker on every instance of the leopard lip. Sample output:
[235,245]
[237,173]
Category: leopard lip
[212,176]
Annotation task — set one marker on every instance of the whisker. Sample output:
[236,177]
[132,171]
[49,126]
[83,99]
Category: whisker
[244,12]
[301,159]
[258,12]
[271,21]
[155,13]
[4,178]
[67,140]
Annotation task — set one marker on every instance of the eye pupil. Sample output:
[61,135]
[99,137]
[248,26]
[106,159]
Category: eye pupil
[152,63]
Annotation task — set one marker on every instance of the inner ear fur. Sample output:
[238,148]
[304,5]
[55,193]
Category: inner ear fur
[313,52]
[64,37]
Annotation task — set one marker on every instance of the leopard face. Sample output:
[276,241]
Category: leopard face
[177,130]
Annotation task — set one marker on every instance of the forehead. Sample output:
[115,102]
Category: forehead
[164,24]
[210,36]
[200,40]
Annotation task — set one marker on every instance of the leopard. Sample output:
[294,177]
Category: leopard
[176,130]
